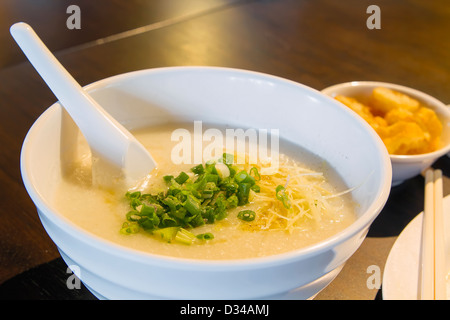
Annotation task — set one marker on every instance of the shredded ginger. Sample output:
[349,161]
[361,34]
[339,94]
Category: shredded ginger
[310,199]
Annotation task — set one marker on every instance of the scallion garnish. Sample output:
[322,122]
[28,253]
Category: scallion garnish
[205,236]
[255,173]
[182,178]
[228,158]
[191,202]
[184,236]
[281,195]
[198,169]
[247,215]
[129,228]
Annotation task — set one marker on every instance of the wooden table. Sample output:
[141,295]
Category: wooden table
[317,43]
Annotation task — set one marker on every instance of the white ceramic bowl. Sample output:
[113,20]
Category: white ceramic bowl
[242,98]
[403,166]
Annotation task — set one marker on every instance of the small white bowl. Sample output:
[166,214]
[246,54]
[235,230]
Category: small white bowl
[215,95]
[403,166]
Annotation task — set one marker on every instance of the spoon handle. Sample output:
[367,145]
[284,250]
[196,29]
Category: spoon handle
[105,135]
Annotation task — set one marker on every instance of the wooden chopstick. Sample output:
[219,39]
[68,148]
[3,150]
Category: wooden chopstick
[433,285]
[427,274]
[440,287]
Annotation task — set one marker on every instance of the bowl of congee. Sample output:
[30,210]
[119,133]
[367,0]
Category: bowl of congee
[414,126]
[263,188]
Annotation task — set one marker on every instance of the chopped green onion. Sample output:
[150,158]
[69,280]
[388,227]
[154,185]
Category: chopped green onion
[205,236]
[167,178]
[233,201]
[243,193]
[182,178]
[255,172]
[209,215]
[148,211]
[191,201]
[256,188]
[133,195]
[241,176]
[166,234]
[228,158]
[133,216]
[198,169]
[168,221]
[211,177]
[148,223]
[247,215]
[129,228]
[175,234]
[222,170]
[192,205]
[229,186]
[184,236]
[282,196]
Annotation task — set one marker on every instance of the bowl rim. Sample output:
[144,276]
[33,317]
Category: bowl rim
[431,101]
[43,205]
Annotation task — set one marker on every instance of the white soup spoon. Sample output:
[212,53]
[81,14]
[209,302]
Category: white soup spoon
[105,135]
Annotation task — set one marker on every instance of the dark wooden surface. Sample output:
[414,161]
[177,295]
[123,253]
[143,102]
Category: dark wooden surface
[317,43]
